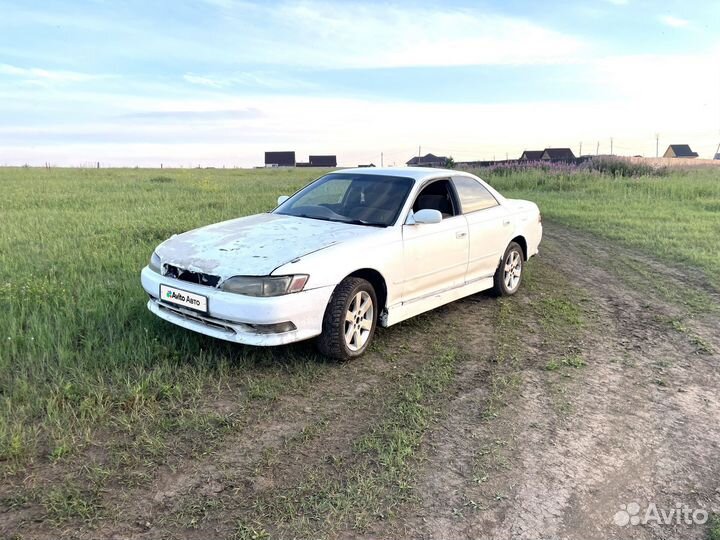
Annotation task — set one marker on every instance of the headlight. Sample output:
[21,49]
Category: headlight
[155,264]
[264,285]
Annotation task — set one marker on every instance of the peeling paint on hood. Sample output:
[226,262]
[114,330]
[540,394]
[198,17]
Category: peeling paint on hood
[254,245]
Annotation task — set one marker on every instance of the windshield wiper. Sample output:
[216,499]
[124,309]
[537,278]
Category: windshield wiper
[309,217]
[349,221]
[362,222]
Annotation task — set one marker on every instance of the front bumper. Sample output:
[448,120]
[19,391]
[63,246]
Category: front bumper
[235,317]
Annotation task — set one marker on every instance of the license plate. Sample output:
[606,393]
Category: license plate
[183,298]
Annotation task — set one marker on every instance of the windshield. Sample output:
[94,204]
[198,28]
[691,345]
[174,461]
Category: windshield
[363,199]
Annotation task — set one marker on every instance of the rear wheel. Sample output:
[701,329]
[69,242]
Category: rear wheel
[350,320]
[508,275]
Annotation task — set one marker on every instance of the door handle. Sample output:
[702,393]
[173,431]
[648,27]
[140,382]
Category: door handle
[460,235]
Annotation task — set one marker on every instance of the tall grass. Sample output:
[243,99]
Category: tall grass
[674,216]
[78,349]
[79,353]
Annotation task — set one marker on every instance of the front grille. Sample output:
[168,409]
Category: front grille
[230,327]
[220,324]
[199,278]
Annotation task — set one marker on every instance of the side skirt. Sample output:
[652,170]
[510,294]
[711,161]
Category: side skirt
[401,312]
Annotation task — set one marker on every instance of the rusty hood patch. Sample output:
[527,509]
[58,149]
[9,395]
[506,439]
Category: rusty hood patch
[253,245]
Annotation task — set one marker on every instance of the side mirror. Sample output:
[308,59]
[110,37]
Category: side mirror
[426,216]
[282,199]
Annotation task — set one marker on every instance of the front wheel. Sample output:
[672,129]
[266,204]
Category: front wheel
[350,320]
[508,275]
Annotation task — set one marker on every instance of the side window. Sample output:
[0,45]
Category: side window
[437,196]
[473,195]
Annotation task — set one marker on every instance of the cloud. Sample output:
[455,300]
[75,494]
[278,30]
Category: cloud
[617,2]
[203,92]
[44,75]
[204,81]
[224,4]
[325,35]
[197,115]
[674,22]
[317,34]
[357,130]
[250,79]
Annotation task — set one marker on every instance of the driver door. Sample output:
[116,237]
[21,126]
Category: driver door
[435,256]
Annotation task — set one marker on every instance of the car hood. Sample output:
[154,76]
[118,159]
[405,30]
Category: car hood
[254,245]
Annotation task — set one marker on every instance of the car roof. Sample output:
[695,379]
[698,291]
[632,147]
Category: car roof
[415,173]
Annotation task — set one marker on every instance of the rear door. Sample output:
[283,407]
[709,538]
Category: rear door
[489,225]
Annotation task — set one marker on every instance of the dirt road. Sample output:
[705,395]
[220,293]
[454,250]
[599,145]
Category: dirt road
[637,424]
[551,414]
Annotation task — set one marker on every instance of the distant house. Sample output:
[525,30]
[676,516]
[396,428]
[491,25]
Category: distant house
[303,164]
[366,165]
[531,155]
[279,159]
[679,151]
[428,160]
[323,161]
[557,154]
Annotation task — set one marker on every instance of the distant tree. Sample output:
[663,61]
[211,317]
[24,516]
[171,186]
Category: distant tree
[450,163]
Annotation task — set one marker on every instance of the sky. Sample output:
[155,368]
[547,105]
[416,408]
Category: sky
[219,82]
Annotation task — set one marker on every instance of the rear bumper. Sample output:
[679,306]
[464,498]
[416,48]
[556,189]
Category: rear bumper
[538,239]
[238,318]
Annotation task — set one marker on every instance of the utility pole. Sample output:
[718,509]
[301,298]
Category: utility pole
[597,150]
[611,146]
[419,151]
[382,161]
[580,153]
[657,145]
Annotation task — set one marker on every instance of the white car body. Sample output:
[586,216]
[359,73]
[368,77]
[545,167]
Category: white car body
[417,267]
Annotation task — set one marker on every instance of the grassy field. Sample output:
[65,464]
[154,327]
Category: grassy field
[80,354]
[85,368]
[674,216]
[79,350]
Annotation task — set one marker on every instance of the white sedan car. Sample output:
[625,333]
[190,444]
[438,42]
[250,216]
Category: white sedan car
[353,249]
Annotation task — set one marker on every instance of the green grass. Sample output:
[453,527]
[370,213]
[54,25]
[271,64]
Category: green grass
[83,364]
[573,361]
[378,476]
[79,352]
[675,216]
[243,531]
[68,502]
[701,345]
[714,527]
[81,358]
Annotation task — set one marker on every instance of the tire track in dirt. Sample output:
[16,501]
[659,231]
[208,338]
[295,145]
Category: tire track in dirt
[552,457]
[263,456]
[659,426]
[344,398]
[636,424]
[332,449]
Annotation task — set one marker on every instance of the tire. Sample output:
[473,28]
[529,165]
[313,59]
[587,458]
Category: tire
[344,313]
[511,262]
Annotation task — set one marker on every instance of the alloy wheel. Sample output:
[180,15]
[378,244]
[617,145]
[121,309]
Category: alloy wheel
[359,321]
[512,270]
